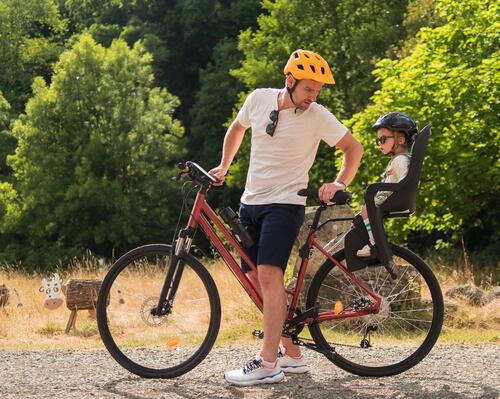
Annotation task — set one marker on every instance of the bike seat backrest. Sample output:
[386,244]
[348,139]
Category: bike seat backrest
[404,192]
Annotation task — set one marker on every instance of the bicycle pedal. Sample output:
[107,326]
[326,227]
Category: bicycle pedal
[258,334]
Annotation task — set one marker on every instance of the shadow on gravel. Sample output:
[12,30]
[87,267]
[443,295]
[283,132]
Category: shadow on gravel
[303,386]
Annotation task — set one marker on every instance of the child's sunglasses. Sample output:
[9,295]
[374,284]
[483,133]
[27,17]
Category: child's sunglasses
[271,128]
[382,139]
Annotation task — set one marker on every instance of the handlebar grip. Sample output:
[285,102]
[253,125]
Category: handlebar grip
[340,197]
[308,192]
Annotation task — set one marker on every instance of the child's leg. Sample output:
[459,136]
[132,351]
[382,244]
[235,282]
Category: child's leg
[364,212]
[365,251]
[364,215]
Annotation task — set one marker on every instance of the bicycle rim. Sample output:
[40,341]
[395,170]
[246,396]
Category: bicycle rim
[392,341]
[151,346]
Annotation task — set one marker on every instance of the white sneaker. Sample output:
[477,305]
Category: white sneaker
[365,251]
[256,371]
[292,364]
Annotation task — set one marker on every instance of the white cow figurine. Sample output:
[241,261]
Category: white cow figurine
[52,287]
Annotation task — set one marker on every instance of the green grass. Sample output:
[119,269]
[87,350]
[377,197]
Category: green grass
[50,329]
[469,336]
[87,328]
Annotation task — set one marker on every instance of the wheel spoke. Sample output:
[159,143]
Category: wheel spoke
[412,310]
[411,324]
[355,290]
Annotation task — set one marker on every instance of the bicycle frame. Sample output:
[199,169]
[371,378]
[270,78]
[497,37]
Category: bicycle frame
[203,215]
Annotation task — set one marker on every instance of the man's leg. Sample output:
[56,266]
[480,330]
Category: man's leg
[254,278]
[274,298]
[277,230]
[290,348]
[265,367]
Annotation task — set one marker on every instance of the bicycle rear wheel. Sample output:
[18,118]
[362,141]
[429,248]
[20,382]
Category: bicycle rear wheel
[157,346]
[395,339]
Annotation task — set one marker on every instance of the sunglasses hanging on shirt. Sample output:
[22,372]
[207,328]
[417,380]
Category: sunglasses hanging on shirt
[271,128]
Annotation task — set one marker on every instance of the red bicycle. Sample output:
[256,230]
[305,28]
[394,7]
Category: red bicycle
[374,322]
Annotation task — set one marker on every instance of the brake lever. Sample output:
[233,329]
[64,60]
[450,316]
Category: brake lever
[177,177]
[183,170]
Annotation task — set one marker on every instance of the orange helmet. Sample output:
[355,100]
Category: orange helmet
[304,64]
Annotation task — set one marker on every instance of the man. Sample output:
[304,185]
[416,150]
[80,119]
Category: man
[287,127]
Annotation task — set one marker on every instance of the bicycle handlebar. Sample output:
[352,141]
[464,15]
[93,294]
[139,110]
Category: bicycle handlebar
[340,197]
[196,173]
[201,176]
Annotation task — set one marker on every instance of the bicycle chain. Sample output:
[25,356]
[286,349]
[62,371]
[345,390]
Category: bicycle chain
[301,341]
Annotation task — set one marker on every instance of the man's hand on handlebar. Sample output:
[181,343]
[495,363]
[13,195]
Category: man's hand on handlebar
[327,191]
[219,173]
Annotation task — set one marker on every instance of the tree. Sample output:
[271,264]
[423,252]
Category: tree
[30,41]
[214,103]
[420,14]
[193,49]
[92,163]
[7,141]
[191,30]
[7,146]
[104,19]
[180,34]
[451,79]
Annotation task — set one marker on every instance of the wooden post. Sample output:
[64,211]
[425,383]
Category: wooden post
[4,295]
[71,321]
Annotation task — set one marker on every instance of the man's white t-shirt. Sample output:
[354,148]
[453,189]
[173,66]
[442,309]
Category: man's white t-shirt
[279,165]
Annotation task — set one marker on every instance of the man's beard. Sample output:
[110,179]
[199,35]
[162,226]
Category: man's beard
[304,104]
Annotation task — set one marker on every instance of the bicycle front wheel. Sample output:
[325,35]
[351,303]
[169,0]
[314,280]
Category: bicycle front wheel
[395,339]
[157,346]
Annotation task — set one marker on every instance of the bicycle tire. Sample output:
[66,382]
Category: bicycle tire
[135,359]
[342,354]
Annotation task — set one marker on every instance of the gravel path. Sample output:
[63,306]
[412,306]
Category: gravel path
[455,371]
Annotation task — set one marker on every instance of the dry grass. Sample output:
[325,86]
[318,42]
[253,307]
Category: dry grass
[484,319]
[467,323]
[34,327]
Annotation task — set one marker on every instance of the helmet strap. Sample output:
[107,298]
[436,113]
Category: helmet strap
[290,90]
[396,144]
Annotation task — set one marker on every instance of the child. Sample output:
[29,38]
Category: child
[395,133]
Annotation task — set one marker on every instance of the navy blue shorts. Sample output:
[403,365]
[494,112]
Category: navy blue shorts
[274,229]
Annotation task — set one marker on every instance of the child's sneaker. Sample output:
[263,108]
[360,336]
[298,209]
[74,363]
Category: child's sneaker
[364,252]
[256,371]
[295,365]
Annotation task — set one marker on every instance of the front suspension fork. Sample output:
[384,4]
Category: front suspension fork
[175,268]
